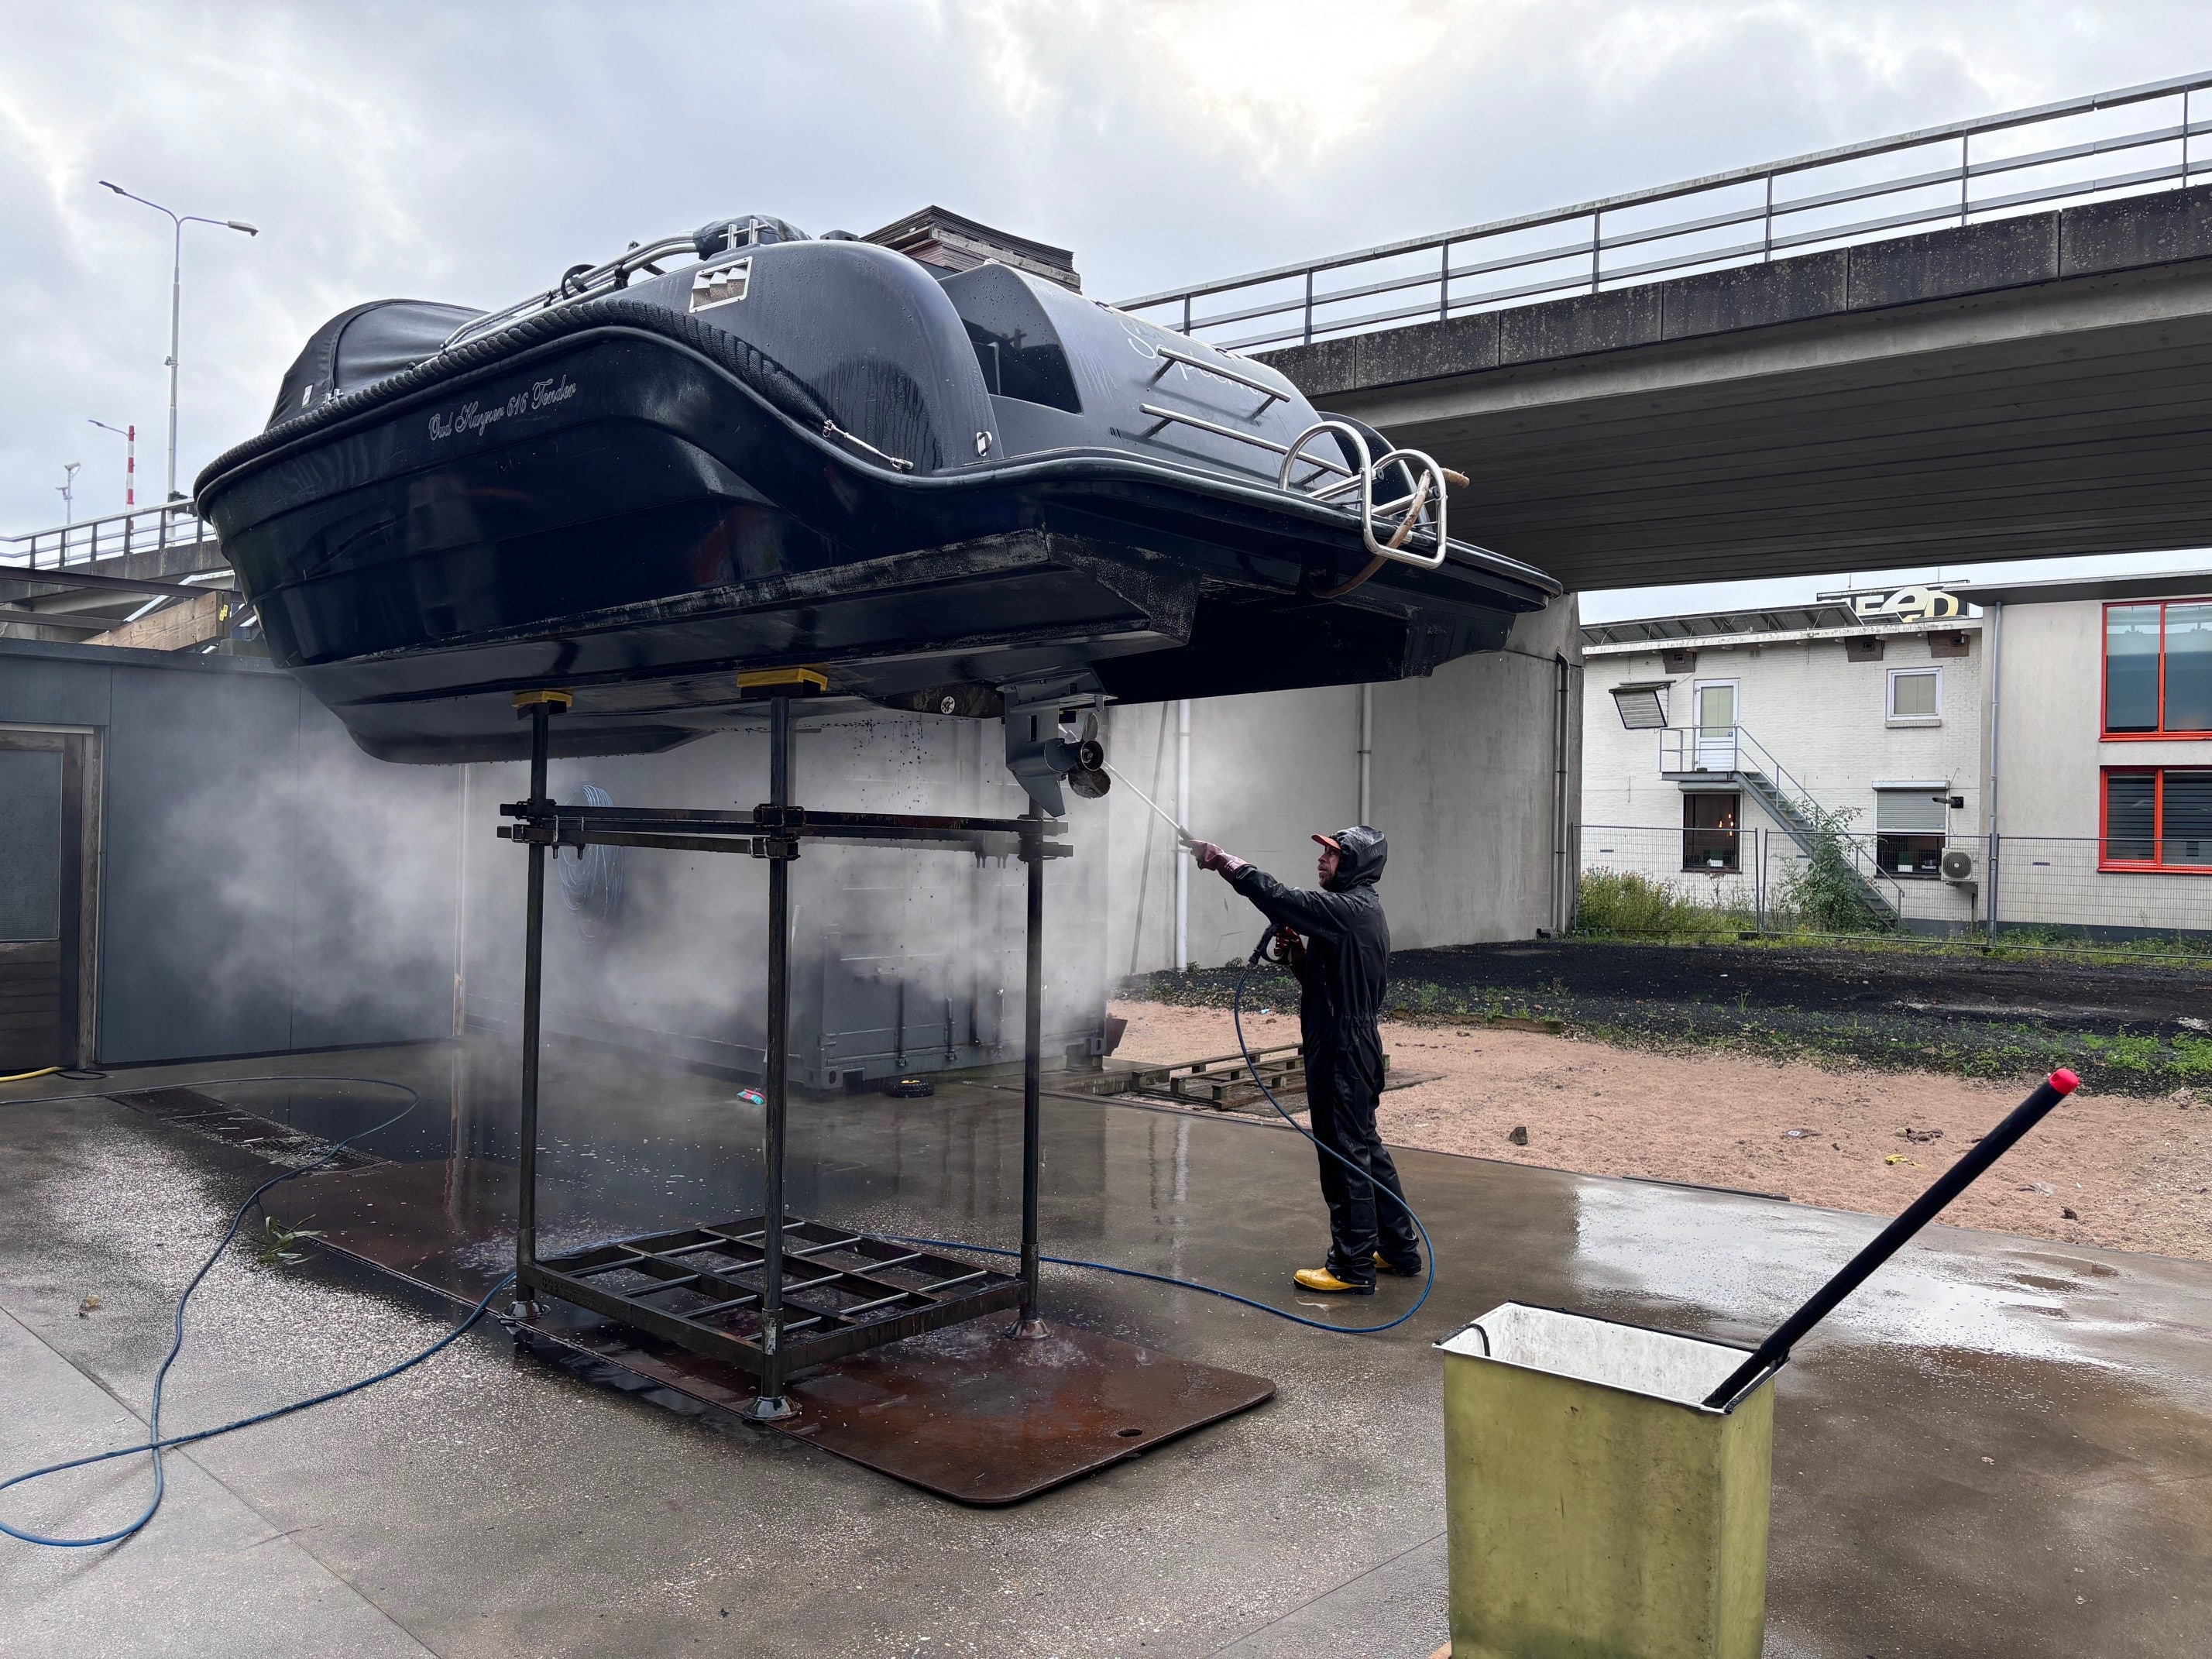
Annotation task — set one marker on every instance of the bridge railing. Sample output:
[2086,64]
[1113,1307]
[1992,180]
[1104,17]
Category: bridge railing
[1990,166]
[141,530]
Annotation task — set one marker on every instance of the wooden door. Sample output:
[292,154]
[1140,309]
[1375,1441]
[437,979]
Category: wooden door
[42,898]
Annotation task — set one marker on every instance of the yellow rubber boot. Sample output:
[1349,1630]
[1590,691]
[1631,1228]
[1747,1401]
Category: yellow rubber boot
[1320,1278]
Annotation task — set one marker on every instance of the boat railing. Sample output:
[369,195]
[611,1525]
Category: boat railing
[111,535]
[581,282]
[1422,507]
[1169,355]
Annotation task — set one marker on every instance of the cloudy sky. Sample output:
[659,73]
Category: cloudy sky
[471,152]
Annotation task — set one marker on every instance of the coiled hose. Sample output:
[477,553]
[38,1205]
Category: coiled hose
[156,1443]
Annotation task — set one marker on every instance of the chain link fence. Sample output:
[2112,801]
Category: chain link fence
[2025,890]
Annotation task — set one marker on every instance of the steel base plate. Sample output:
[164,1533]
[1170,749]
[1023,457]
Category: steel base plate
[966,1412]
[974,1415]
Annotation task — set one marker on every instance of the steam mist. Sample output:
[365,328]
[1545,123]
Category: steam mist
[901,961]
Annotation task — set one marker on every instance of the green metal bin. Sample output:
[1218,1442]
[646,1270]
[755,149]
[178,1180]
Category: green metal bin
[1596,1509]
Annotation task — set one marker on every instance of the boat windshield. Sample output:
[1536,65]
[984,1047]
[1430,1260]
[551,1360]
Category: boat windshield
[1015,345]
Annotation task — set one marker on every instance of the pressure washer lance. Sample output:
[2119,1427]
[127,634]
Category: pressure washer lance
[1181,833]
[1773,1353]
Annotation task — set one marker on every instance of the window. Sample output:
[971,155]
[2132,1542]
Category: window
[1016,346]
[2158,669]
[2158,818]
[1916,696]
[1642,704]
[1909,824]
[1710,834]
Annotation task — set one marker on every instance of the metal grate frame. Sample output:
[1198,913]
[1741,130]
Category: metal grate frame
[842,1289]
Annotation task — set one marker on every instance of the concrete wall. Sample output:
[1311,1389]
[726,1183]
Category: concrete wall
[1461,781]
[2050,753]
[1823,718]
[264,886]
[261,885]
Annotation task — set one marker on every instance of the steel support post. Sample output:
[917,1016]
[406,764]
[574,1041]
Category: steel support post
[770,1404]
[1031,1324]
[539,712]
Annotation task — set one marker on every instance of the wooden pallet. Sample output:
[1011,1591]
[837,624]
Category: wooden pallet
[1225,1083]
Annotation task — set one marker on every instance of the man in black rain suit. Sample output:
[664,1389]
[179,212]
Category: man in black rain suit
[1339,949]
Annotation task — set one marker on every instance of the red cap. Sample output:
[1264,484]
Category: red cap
[1331,842]
[2064,1081]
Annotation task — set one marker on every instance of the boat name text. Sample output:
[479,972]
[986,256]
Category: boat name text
[477,415]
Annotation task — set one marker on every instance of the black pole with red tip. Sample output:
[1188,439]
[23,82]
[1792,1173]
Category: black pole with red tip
[1771,1354]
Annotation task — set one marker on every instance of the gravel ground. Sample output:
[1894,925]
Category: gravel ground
[2116,1170]
[2133,1030]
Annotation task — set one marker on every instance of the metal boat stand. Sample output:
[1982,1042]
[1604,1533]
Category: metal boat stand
[774,1293]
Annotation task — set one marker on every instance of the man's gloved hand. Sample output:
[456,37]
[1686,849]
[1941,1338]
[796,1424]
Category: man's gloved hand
[1212,857]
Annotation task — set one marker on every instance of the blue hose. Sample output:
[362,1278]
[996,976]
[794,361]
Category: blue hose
[1428,1250]
[155,1444]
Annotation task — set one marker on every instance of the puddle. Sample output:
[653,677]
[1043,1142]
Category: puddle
[1752,1269]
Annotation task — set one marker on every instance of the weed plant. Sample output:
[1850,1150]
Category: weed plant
[1624,904]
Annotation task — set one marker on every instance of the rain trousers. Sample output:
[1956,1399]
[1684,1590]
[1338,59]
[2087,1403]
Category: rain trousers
[1341,979]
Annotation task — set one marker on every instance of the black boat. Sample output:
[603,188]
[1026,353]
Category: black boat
[939,489]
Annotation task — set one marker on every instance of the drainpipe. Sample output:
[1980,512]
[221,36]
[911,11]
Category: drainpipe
[461,914]
[1563,873]
[1993,630]
[1366,753]
[1183,817]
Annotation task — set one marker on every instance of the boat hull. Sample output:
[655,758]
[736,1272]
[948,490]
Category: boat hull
[605,501]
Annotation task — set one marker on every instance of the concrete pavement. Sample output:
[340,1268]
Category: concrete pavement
[2004,1447]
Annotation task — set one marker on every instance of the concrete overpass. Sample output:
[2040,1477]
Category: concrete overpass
[153,577]
[2039,384]
[1768,383]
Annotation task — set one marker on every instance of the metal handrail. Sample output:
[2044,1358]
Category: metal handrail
[1168,354]
[577,285]
[111,536]
[1742,746]
[1780,775]
[1305,325]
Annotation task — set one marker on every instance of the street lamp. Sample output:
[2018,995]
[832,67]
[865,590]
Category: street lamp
[130,436]
[68,488]
[176,301]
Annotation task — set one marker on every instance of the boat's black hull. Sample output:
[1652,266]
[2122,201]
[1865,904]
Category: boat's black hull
[609,500]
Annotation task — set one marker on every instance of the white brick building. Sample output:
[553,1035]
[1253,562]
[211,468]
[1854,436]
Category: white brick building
[2027,730]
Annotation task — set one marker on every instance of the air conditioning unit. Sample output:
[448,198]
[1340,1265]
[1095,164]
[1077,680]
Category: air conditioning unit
[1957,867]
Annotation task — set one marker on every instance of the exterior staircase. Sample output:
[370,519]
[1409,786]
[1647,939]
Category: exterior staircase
[1688,753]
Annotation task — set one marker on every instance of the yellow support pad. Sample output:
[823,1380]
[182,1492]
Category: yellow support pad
[768,679]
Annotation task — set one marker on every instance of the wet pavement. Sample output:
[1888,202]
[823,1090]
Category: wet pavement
[2002,1447]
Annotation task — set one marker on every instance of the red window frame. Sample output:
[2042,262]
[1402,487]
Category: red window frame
[2104,677]
[2156,864]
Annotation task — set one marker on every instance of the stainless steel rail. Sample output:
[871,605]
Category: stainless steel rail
[580,282]
[1933,195]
